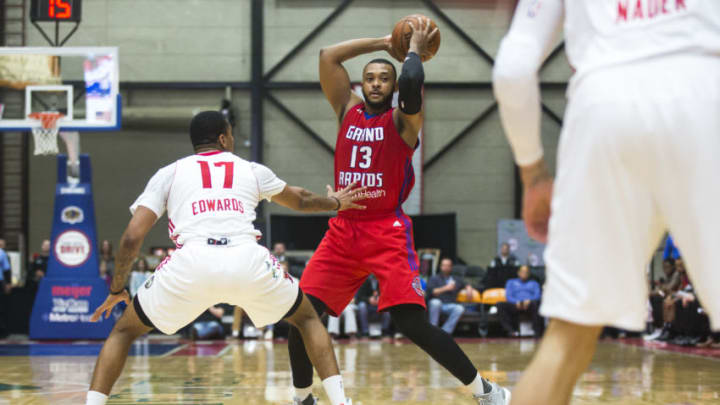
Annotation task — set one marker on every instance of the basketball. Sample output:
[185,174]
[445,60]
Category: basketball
[401,37]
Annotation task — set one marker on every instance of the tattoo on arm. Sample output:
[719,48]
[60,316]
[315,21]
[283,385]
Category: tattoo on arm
[310,201]
[126,254]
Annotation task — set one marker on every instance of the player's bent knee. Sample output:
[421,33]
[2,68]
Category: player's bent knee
[303,316]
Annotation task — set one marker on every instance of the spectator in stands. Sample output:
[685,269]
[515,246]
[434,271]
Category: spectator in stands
[5,287]
[670,251]
[691,325]
[367,299]
[209,324]
[38,266]
[443,289]
[5,268]
[523,297]
[140,273]
[103,270]
[348,315]
[106,256]
[279,251]
[501,269]
[663,289]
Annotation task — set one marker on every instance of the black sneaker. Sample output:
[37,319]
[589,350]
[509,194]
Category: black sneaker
[665,336]
[309,400]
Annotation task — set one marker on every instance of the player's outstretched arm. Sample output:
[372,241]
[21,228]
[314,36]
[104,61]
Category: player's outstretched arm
[300,199]
[517,90]
[409,117]
[334,79]
[132,239]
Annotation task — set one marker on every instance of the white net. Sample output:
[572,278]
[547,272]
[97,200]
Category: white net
[45,135]
[45,141]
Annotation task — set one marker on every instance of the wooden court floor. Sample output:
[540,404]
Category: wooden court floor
[375,372]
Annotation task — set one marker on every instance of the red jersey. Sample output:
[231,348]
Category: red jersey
[370,151]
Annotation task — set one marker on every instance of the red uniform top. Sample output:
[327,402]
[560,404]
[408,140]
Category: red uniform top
[370,151]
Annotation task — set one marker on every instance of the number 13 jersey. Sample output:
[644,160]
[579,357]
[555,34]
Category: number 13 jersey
[209,195]
[370,151]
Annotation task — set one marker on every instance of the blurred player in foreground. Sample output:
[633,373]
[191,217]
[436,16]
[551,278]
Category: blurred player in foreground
[638,155]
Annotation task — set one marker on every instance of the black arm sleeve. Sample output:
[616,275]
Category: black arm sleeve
[410,84]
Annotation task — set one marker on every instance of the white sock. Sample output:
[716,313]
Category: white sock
[96,398]
[334,389]
[302,393]
[477,386]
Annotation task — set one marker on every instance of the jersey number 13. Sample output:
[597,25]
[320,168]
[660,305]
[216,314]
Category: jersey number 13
[365,157]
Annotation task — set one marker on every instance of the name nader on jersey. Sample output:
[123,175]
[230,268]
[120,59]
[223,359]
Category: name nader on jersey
[364,179]
[636,10]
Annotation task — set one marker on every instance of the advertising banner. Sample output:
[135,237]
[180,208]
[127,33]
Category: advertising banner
[72,287]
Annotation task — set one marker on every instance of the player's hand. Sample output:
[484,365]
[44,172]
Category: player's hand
[348,195]
[390,50]
[537,195]
[421,36]
[109,304]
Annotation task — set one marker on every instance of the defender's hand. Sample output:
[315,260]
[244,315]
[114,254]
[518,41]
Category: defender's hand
[537,195]
[421,36]
[109,304]
[348,195]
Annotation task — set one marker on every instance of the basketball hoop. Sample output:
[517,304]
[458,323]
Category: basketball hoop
[45,135]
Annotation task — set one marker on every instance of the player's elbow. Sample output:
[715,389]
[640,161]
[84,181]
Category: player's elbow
[131,239]
[515,70]
[326,55]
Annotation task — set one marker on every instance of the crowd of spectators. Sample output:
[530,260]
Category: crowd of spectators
[506,289]
[676,314]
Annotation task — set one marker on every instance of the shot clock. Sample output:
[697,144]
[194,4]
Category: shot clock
[56,10]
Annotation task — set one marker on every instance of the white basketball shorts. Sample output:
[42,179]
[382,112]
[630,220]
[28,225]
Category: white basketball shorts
[639,154]
[199,275]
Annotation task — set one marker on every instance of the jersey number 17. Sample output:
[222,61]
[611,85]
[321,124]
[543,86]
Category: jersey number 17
[205,171]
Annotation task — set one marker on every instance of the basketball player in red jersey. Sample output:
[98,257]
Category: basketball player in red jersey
[375,144]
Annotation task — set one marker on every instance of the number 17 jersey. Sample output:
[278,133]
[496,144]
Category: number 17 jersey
[370,151]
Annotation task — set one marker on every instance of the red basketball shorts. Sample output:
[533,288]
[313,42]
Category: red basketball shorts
[353,249]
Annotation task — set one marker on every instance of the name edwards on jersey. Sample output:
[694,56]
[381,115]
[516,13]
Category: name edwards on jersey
[641,10]
[219,204]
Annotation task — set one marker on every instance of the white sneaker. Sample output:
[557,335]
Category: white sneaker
[497,396]
[654,335]
[269,334]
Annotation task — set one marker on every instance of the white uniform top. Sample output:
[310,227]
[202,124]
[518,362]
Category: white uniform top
[209,195]
[599,34]
[602,33]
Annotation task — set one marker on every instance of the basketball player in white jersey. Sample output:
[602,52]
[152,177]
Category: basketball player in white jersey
[639,154]
[210,198]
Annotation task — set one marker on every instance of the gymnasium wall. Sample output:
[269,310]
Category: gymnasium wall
[209,40]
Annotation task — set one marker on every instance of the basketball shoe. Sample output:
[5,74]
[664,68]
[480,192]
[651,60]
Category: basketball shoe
[497,396]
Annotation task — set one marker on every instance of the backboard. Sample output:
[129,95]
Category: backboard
[80,82]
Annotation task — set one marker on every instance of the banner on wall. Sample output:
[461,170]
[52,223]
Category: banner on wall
[413,204]
[72,287]
[526,249]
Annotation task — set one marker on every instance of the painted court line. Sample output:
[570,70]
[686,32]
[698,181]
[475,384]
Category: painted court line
[173,351]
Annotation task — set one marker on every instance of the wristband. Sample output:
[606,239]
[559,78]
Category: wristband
[338,203]
[119,292]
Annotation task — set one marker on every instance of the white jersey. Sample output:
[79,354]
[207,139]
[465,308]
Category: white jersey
[209,195]
[601,33]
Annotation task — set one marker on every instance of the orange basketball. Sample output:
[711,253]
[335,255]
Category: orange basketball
[401,37]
